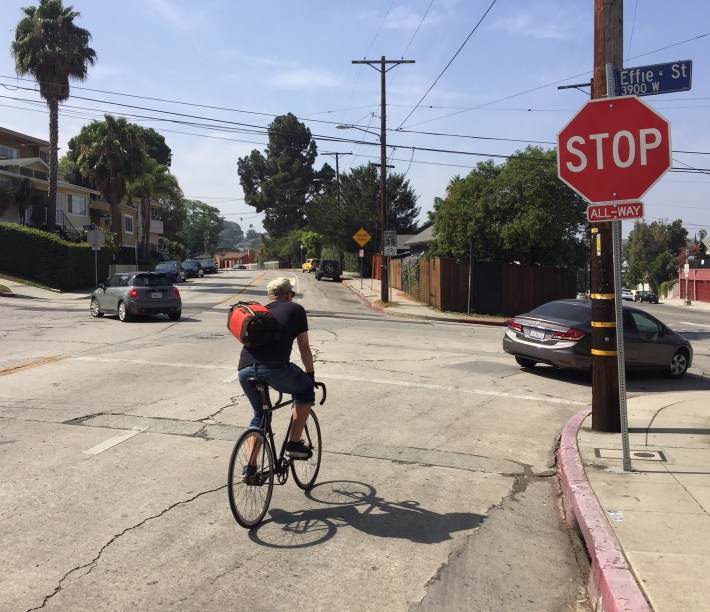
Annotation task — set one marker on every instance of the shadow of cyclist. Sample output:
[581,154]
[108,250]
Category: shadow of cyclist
[352,504]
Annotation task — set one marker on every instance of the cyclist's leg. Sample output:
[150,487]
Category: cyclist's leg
[294,381]
[257,421]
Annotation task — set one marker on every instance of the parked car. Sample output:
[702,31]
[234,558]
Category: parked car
[239,267]
[173,270]
[310,265]
[328,268]
[627,294]
[559,333]
[646,296]
[208,265]
[130,294]
[193,268]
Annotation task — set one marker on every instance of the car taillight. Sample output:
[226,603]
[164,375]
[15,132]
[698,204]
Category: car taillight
[176,293]
[133,294]
[514,325]
[570,334]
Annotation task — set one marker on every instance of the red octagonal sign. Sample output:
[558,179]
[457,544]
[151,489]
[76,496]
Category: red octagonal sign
[614,149]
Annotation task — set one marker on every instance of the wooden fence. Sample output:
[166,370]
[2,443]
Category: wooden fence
[495,288]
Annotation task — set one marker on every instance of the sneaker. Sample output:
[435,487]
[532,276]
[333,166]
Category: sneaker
[298,450]
[250,475]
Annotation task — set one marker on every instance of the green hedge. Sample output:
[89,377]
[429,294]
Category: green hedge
[45,258]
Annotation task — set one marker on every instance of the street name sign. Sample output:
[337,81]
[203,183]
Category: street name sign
[362,237]
[655,79]
[615,211]
[614,150]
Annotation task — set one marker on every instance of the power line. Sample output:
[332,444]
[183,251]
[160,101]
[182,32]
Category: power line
[449,63]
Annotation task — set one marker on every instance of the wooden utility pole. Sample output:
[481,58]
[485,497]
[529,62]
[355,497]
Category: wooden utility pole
[606,416]
[384,283]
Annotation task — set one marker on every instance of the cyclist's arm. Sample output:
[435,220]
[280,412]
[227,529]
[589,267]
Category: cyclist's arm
[305,349]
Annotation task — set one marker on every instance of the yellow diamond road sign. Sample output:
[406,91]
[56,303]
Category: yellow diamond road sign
[362,237]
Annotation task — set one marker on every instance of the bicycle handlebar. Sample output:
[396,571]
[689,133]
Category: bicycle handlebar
[317,385]
[322,386]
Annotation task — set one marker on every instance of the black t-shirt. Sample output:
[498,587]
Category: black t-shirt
[292,317]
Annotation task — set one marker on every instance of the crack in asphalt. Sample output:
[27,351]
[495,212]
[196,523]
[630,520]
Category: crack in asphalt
[94,562]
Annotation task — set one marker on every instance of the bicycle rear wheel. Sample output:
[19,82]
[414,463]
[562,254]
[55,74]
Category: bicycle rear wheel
[250,495]
[305,471]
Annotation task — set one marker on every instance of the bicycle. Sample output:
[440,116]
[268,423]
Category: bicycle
[250,488]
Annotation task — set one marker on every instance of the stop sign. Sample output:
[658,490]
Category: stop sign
[614,149]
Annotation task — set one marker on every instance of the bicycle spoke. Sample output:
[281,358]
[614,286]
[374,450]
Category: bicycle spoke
[250,493]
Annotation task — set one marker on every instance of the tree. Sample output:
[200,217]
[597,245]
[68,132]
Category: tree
[154,181]
[354,203]
[280,183]
[202,227]
[231,235]
[516,212]
[108,154]
[652,252]
[50,47]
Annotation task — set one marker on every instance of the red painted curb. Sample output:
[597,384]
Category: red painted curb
[612,585]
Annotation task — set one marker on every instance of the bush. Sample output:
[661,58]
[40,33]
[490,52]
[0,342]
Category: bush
[45,258]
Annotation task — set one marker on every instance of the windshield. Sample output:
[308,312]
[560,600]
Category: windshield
[567,311]
[151,280]
[166,265]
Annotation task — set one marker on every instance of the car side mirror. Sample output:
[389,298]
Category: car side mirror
[102,286]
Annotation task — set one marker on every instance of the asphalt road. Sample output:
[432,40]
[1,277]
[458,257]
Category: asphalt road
[437,489]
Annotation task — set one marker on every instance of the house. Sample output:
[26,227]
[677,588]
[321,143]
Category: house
[78,208]
[25,158]
[419,243]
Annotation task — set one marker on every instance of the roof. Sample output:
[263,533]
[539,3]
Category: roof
[426,235]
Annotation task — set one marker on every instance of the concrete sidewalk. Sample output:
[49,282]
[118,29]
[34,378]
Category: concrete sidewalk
[647,531]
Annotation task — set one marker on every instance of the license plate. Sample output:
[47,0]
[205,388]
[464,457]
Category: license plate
[537,334]
[156,294]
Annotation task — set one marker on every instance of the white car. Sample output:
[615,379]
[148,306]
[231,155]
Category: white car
[626,294]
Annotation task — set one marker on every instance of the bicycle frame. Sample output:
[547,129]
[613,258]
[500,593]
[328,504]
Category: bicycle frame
[281,462]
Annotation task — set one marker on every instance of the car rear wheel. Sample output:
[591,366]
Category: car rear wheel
[123,315]
[94,308]
[174,316]
[524,362]
[679,364]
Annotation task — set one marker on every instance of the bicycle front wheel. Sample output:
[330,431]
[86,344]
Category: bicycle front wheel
[251,478]
[305,471]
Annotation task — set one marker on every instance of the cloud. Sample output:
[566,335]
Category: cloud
[171,13]
[301,78]
[525,24]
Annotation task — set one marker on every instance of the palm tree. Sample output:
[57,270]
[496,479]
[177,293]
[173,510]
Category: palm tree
[50,47]
[109,154]
[155,182]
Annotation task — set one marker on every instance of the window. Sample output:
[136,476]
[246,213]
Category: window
[76,204]
[128,224]
[9,153]
[644,323]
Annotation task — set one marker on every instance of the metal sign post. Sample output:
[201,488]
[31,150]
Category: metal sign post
[620,362]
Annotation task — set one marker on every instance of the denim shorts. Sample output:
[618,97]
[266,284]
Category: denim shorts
[288,379]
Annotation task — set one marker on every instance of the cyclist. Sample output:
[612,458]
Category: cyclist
[272,362]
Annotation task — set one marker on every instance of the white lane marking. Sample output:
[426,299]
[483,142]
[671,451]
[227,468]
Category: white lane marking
[528,398]
[198,366]
[100,448]
[233,377]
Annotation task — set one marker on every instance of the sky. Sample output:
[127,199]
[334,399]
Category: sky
[211,76]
